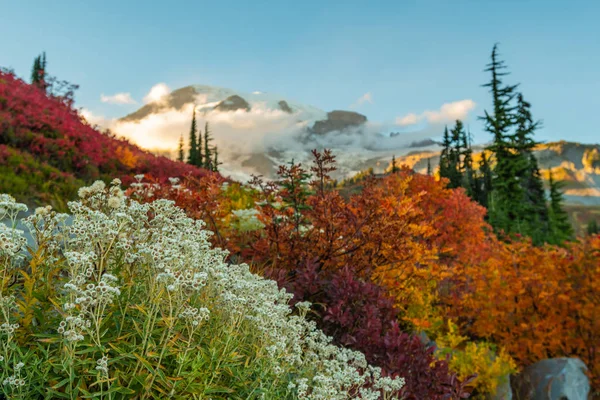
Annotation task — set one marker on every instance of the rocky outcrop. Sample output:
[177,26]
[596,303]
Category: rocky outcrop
[552,379]
[338,121]
[233,103]
[284,106]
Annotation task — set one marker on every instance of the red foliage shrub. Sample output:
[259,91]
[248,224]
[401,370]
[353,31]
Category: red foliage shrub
[52,131]
[359,315]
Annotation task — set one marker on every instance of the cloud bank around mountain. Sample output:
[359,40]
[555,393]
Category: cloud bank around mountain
[266,127]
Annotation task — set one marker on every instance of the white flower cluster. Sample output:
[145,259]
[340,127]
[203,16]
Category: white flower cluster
[167,250]
[9,208]
[12,240]
[195,316]
[187,281]
[7,306]
[15,380]
[94,295]
[9,329]
[102,365]
[44,225]
[73,327]
[246,220]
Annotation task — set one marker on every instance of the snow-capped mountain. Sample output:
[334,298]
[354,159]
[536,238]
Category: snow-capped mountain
[255,132]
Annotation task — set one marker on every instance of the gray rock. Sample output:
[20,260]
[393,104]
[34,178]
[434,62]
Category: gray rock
[552,379]
[233,103]
[284,106]
[504,391]
[338,121]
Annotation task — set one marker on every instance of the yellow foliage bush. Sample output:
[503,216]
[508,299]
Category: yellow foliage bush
[481,358]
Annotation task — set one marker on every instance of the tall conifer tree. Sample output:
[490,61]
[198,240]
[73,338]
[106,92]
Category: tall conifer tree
[38,71]
[200,150]
[468,174]
[535,207]
[208,160]
[193,153]
[444,167]
[394,166]
[216,162]
[454,163]
[180,156]
[506,199]
[560,227]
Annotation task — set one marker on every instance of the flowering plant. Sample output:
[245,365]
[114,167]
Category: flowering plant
[130,300]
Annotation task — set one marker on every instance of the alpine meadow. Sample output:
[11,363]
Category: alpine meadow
[221,244]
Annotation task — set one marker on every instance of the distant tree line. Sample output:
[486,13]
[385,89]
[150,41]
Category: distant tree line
[201,153]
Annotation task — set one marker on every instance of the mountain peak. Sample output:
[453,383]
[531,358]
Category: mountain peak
[233,103]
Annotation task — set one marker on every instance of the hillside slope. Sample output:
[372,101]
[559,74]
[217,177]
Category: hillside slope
[47,150]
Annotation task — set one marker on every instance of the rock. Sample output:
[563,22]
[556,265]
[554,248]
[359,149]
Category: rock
[338,121]
[284,106]
[233,103]
[553,379]
[503,391]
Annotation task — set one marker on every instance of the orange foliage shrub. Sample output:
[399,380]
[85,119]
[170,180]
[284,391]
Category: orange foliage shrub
[537,302]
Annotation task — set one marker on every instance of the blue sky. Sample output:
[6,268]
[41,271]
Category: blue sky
[411,56]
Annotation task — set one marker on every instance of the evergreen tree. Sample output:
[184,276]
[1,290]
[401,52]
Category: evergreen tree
[526,169]
[216,162]
[200,150]
[35,70]
[485,180]
[560,227]
[180,155]
[453,163]
[208,159]
[468,173]
[193,153]
[394,166]
[429,166]
[592,228]
[444,167]
[505,202]
[38,71]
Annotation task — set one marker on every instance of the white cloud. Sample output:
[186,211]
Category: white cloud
[93,119]
[408,119]
[119,98]
[234,132]
[365,98]
[157,93]
[447,113]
